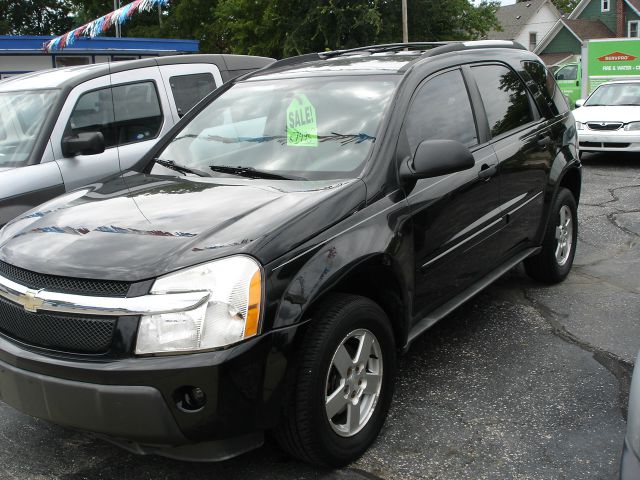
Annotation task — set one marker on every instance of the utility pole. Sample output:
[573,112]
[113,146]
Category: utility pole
[116,5]
[405,23]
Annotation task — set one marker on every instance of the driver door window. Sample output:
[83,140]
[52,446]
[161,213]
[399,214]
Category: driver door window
[123,114]
[441,111]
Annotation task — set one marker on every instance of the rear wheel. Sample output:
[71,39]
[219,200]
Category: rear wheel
[553,263]
[344,384]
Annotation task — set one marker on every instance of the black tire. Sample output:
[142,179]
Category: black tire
[545,266]
[305,432]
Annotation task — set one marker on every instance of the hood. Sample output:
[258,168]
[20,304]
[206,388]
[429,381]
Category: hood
[607,114]
[142,226]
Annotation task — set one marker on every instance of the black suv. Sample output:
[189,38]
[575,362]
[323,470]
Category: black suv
[292,233]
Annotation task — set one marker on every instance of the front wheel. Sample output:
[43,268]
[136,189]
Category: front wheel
[344,384]
[553,263]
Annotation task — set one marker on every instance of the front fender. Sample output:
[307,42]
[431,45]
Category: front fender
[377,235]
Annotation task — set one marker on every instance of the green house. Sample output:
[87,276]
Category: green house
[591,19]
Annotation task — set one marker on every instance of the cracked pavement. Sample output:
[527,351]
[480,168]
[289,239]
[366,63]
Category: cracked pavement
[525,381]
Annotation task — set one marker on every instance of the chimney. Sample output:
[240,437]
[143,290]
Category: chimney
[620,30]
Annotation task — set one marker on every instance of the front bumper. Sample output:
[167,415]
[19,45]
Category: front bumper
[132,401]
[611,141]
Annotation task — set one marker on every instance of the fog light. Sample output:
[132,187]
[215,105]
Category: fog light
[190,399]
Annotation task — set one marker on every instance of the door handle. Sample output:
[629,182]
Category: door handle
[544,141]
[487,171]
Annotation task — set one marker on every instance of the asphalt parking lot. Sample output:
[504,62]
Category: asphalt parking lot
[524,382]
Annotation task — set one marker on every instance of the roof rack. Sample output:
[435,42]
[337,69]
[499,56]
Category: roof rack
[387,47]
[430,49]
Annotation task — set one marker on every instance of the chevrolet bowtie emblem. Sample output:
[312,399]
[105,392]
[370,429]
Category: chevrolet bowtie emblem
[30,301]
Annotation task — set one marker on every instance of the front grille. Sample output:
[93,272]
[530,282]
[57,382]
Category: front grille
[78,286]
[616,145]
[66,333]
[604,125]
[605,145]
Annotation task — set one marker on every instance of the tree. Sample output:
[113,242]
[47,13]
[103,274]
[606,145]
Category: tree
[281,28]
[565,6]
[85,11]
[34,17]
[286,27]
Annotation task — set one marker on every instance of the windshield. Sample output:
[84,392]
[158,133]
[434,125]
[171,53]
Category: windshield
[615,94]
[306,128]
[22,117]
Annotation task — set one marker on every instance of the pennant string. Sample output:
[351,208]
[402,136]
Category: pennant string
[100,25]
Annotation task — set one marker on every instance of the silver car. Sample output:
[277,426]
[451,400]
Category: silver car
[630,465]
[68,127]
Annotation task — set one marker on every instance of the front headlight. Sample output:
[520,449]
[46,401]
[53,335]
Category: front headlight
[230,315]
[579,126]
[630,127]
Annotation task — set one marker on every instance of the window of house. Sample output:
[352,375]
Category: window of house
[604,5]
[190,89]
[504,96]
[441,111]
[533,40]
[123,114]
[633,28]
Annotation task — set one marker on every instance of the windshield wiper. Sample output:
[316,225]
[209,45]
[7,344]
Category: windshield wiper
[181,168]
[251,172]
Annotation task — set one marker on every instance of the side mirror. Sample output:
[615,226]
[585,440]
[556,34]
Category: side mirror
[580,102]
[84,143]
[437,157]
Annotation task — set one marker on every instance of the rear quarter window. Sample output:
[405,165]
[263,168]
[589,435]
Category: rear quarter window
[545,88]
[190,89]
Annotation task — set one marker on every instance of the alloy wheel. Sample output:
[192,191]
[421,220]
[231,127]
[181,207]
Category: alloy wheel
[353,383]
[564,235]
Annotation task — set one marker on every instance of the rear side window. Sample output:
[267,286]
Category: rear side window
[123,114]
[137,112]
[190,89]
[504,96]
[441,111]
[545,85]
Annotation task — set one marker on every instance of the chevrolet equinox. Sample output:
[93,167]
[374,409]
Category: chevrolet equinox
[261,267]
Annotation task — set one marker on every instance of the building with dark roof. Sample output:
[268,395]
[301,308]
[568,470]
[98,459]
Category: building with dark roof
[525,22]
[590,20]
[23,54]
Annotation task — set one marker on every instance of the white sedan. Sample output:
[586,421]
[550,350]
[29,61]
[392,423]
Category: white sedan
[609,120]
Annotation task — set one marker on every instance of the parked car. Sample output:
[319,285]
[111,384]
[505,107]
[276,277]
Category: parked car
[609,120]
[569,78]
[292,233]
[630,465]
[67,127]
